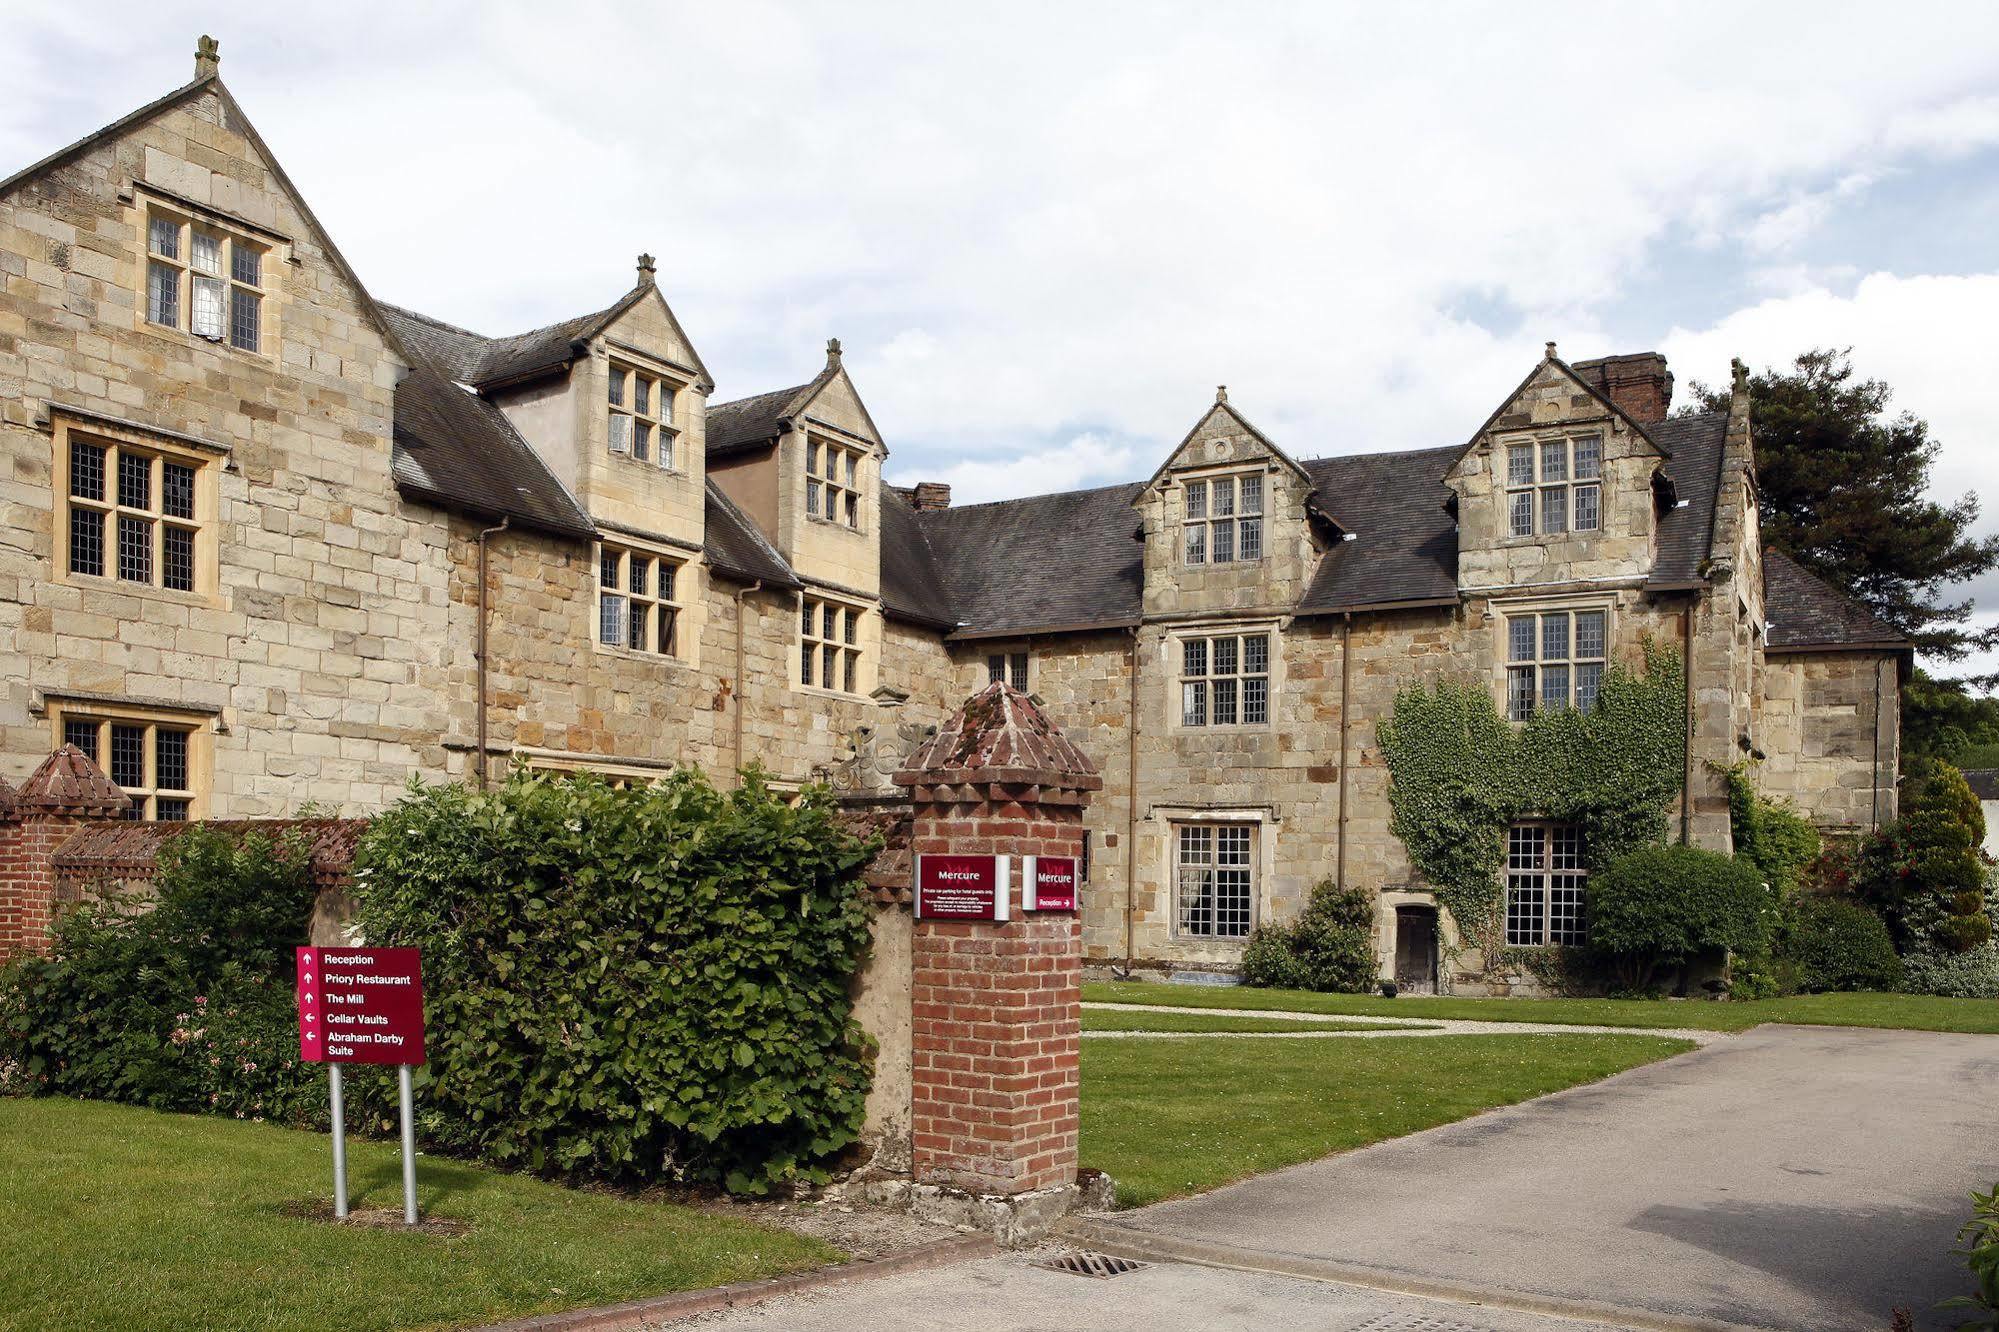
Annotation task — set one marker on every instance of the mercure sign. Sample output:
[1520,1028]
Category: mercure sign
[363,1006]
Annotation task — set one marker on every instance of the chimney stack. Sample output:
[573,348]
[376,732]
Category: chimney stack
[1639,384]
[932,495]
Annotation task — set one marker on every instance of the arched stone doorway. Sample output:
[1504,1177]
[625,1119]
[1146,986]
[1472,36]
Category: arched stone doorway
[1416,949]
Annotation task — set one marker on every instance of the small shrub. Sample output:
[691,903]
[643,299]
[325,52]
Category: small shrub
[1970,974]
[1772,836]
[1980,1238]
[1667,905]
[1330,947]
[1925,873]
[1839,945]
[188,1006]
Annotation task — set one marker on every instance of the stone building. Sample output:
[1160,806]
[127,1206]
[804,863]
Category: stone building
[268,542]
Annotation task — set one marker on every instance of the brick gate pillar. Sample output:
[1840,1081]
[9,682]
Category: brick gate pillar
[64,793]
[997,1004]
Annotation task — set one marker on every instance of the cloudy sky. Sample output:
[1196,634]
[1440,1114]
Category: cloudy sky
[1045,233]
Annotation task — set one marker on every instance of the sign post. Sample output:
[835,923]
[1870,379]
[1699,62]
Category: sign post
[363,1006]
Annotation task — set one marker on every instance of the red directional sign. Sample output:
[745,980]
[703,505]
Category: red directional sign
[360,1005]
[962,887]
[1048,883]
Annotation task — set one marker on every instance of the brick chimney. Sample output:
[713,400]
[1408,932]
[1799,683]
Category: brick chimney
[931,495]
[1638,383]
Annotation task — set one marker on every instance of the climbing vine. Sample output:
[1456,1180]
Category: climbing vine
[1460,774]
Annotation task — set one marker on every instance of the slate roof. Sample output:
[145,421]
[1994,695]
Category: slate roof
[454,448]
[1984,782]
[912,578]
[1806,614]
[747,423]
[1404,546]
[1047,562]
[471,358]
[1693,463]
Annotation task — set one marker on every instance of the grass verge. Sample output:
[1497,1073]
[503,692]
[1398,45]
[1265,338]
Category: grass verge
[1104,1019]
[113,1218]
[1915,1012]
[1166,1118]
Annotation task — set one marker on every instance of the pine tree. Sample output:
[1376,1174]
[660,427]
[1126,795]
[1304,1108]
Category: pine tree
[1843,490]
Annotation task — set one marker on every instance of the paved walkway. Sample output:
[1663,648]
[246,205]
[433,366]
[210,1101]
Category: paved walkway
[1788,1177]
[1410,1026]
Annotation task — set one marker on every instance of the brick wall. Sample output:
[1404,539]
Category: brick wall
[997,1018]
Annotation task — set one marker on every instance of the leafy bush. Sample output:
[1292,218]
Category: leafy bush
[1772,836]
[1980,1238]
[1925,873]
[1973,974]
[188,1006]
[1839,945]
[630,985]
[1664,905]
[1329,947]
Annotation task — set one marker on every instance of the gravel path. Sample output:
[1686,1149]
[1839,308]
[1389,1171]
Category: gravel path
[1389,1027]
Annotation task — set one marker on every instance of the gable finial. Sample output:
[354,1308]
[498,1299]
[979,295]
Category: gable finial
[1221,394]
[646,274]
[1739,373]
[832,351]
[207,57]
[1551,351]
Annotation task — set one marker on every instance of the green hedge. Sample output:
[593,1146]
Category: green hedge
[633,985]
[1925,873]
[1329,947]
[1839,945]
[1666,905]
[187,1006]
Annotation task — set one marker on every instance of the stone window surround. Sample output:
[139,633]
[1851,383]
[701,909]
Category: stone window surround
[200,726]
[1506,490]
[832,489]
[1208,521]
[1548,877]
[1169,819]
[662,556]
[667,433]
[275,249]
[1501,612]
[850,643]
[116,438]
[1174,660]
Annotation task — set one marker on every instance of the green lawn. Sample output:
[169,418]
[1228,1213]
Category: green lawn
[117,1218]
[1172,1117]
[1913,1011]
[1101,1019]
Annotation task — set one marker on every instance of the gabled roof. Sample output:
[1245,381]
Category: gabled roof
[1805,614]
[748,423]
[454,448]
[67,782]
[483,362]
[1642,430]
[736,548]
[239,122]
[1222,407]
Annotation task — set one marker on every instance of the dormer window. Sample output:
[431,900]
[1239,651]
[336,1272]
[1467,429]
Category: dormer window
[1223,519]
[641,408]
[1554,486]
[833,482]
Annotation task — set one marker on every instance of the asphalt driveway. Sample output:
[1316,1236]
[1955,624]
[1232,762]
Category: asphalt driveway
[1791,1177]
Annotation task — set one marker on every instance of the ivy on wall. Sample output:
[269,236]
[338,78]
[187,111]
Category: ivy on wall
[1460,774]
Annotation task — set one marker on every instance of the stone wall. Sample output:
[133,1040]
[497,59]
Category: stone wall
[1828,729]
[310,660]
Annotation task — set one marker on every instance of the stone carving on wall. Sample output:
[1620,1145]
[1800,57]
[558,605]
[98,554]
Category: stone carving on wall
[868,762]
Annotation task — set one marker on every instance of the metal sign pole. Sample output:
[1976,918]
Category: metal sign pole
[409,1144]
[339,1143]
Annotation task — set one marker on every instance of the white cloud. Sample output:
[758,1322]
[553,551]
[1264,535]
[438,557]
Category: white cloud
[1076,463]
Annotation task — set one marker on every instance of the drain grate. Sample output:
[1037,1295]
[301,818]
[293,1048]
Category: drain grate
[1082,1262]
[1417,1323]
